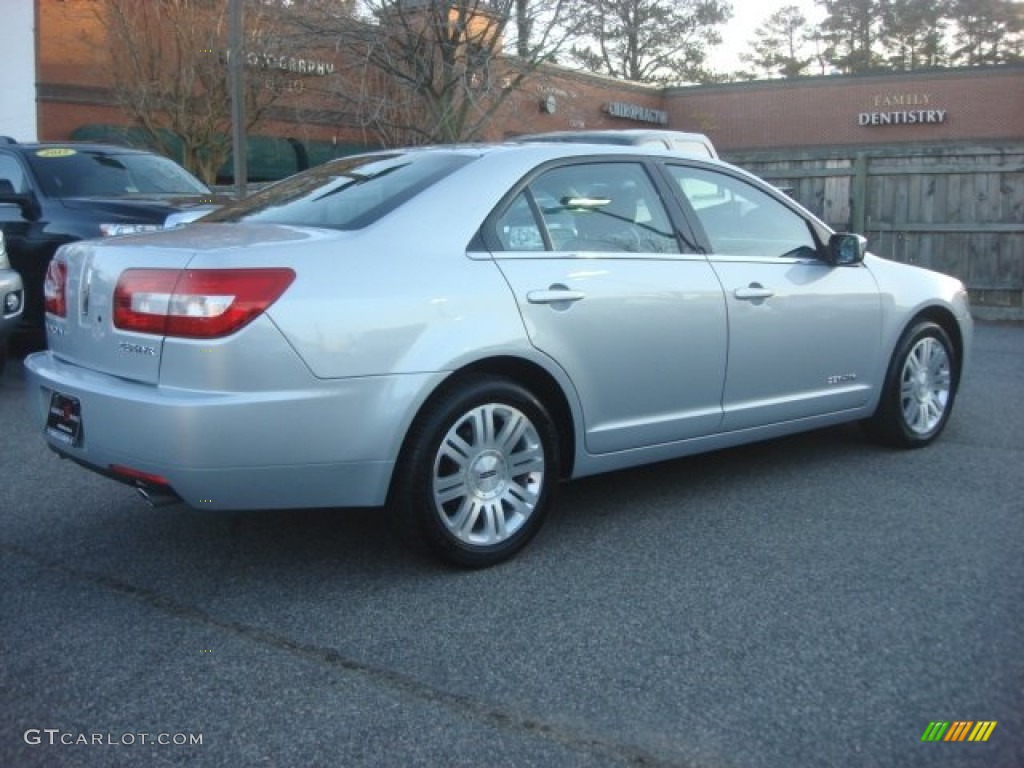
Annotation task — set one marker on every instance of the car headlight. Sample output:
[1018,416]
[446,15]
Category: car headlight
[12,303]
[5,263]
[110,230]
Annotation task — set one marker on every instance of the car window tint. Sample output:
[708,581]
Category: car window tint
[12,177]
[154,174]
[68,172]
[741,220]
[603,207]
[348,193]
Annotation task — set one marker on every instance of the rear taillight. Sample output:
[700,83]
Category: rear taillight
[55,288]
[195,303]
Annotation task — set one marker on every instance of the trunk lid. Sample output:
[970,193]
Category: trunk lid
[87,336]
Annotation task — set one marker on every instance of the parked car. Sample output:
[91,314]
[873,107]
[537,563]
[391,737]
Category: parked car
[55,193]
[450,331]
[680,141]
[12,301]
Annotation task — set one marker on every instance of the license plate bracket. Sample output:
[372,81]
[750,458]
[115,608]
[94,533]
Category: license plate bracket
[64,419]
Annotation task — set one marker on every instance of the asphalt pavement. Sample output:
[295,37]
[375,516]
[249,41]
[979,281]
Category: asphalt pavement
[812,601]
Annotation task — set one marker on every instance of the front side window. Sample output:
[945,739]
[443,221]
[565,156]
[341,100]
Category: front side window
[348,193]
[741,220]
[607,207]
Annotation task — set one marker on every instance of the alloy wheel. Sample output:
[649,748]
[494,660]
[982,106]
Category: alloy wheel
[488,474]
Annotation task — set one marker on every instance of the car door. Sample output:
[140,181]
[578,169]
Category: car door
[804,335]
[609,290]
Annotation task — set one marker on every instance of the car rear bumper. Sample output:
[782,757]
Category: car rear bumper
[331,444]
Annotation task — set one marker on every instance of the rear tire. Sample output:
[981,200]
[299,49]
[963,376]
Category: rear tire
[477,474]
[919,390]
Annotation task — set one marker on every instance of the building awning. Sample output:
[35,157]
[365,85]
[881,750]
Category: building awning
[269,158]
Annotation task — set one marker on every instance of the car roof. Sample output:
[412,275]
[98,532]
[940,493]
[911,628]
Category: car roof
[540,151]
[82,146]
[537,152]
[626,136]
[539,147]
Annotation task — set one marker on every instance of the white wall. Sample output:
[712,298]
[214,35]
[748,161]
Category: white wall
[18,93]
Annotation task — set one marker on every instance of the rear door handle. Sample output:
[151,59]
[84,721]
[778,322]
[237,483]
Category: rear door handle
[753,292]
[556,296]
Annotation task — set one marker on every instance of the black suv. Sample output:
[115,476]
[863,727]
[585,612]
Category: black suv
[51,194]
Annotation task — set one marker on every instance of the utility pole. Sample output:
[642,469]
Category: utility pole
[236,72]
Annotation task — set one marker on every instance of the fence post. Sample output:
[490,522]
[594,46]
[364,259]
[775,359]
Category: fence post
[859,194]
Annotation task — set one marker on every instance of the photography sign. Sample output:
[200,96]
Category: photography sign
[902,109]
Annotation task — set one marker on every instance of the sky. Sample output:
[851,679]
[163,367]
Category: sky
[747,16]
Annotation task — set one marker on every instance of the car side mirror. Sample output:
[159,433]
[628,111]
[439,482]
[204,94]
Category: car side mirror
[846,249]
[26,201]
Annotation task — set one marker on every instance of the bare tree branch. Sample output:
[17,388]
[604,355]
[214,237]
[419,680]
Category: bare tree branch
[168,69]
[426,71]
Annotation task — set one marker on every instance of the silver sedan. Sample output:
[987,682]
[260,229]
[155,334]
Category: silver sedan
[449,332]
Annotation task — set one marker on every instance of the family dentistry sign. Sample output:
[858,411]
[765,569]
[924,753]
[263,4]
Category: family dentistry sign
[902,109]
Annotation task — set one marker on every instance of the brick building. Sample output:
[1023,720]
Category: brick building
[929,165]
[72,95]
[957,105]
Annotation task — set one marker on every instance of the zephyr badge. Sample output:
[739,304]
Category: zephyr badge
[136,349]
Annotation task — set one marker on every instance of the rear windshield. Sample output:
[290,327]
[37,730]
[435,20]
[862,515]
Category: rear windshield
[348,193]
[72,172]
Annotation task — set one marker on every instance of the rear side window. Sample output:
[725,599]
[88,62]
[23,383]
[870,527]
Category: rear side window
[348,193]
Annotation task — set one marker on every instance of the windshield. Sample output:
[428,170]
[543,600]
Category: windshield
[348,193]
[73,172]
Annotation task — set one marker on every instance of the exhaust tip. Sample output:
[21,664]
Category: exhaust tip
[157,498]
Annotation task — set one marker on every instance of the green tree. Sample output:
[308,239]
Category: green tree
[915,31]
[780,46]
[988,31]
[852,34]
[648,41]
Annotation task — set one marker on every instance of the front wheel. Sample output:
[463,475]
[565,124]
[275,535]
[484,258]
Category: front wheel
[476,477]
[919,389]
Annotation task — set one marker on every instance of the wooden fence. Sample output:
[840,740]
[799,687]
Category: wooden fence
[956,209]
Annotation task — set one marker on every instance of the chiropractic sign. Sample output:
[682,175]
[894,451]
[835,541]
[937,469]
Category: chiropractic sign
[636,112]
[902,109]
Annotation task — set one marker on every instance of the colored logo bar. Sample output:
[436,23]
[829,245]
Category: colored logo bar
[958,730]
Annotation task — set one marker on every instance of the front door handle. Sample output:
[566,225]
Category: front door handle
[554,296]
[753,292]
